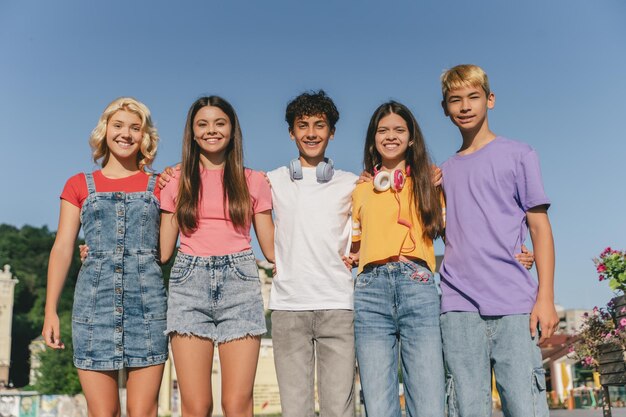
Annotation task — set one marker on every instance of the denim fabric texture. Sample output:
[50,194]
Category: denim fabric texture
[119,310]
[396,309]
[473,346]
[215,297]
[304,341]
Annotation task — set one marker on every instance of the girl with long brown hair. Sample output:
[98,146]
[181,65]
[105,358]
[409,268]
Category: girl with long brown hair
[214,287]
[396,305]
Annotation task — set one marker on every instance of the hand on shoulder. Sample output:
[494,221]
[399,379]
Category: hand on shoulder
[167,174]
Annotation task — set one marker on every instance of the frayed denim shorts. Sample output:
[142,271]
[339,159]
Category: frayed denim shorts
[215,297]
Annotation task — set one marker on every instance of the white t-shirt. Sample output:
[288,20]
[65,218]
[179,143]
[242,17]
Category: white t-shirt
[312,233]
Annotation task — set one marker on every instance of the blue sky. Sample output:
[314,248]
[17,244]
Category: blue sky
[557,68]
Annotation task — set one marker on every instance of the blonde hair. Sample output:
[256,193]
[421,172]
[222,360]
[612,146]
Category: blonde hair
[466,75]
[149,141]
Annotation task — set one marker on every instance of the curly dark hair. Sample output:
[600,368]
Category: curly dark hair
[312,103]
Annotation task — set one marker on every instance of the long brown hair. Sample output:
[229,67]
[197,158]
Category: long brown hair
[424,193]
[234,185]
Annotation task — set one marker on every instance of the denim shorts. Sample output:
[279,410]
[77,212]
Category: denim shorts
[215,297]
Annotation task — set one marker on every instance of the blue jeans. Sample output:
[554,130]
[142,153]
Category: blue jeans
[473,345]
[396,308]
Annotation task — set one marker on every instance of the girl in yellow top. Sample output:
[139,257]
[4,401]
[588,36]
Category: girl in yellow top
[396,304]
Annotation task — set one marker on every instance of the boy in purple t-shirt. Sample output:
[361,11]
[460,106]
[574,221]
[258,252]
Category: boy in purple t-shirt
[491,305]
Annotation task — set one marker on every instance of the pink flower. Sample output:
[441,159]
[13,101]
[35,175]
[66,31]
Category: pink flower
[606,251]
[595,309]
[601,278]
[601,268]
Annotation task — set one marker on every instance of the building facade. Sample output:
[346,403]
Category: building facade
[7,285]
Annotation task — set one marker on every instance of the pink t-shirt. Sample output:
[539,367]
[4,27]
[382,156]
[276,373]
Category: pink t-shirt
[216,234]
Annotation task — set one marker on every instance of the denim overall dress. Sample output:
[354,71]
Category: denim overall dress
[120,307]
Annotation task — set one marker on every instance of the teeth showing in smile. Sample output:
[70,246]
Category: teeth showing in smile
[124,145]
[211,141]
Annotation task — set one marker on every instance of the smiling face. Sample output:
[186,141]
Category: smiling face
[124,134]
[467,107]
[392,140]
[212,131]
[311,134]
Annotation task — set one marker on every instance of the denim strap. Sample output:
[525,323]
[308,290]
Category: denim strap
[91,187]
[151,183]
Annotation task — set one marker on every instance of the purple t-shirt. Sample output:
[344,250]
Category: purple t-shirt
[487,195]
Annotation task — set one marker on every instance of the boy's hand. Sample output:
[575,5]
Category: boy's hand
[544,315]
[364,177]
[51,333]
[526,257]
[167,175]
[436,175]
[84,251]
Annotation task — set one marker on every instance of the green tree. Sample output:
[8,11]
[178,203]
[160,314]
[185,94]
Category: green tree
[56,374]
[27,250]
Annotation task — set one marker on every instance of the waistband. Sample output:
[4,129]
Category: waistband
[217,260]
[390,266]
[106,253]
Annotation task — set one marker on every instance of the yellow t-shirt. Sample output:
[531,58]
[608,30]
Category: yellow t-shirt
[375,225]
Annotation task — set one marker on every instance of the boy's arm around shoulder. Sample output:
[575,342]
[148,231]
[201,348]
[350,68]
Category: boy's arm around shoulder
[543,312]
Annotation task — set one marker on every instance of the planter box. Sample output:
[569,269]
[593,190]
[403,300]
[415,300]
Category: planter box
[612,365]
[619,304]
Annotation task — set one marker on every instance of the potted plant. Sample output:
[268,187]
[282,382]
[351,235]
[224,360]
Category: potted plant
[600,345]
[602,338]
[611,267]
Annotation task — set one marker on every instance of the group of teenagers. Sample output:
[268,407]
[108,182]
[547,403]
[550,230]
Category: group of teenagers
[315,223]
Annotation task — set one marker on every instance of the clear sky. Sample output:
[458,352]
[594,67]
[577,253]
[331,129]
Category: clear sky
[558,69]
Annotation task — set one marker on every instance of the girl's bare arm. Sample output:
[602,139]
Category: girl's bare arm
[264,229]
[58,266]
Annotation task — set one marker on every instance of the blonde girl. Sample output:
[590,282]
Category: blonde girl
[119,311]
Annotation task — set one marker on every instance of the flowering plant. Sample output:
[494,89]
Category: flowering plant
[598,329]
[611,266]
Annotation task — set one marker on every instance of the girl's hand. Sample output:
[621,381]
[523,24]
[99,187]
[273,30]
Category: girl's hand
[84,251]
[364,177]
[51,331]
[167,175]
[526,257]
[351,261]
[436,176]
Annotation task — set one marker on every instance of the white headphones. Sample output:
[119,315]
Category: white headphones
[324,170]
[395,180]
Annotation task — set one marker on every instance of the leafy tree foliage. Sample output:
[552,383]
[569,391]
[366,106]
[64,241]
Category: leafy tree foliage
[27,250]
[57,374]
